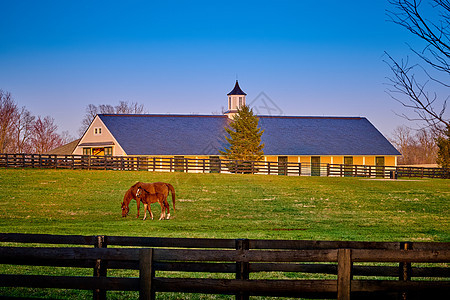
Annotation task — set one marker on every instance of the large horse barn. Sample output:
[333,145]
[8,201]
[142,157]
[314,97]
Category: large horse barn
[292,139]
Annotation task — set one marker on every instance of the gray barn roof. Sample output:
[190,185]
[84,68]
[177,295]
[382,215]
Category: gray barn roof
[204,135]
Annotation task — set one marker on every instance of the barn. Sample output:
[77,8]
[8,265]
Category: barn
[303,139]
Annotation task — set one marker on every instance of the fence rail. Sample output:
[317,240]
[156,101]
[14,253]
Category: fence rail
[241,257]
[212,165]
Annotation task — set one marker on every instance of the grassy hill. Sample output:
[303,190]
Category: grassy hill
[227,206]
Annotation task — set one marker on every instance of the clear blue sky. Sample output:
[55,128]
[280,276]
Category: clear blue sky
[309,57]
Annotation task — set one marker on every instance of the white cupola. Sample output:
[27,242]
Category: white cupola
[236,99]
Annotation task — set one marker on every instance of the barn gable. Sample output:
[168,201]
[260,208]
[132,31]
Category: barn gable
[98,140]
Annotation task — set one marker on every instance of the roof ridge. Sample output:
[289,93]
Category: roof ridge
[160,115]
[312,117]
[223,116]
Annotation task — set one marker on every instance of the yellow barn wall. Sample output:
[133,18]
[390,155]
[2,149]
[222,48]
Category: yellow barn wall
[293,159]
[325,159]
[390,161]
[358,160]
[338,159]
[305,159]
[370,160]
[271,158]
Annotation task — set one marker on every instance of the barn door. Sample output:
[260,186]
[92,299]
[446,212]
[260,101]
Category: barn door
[379,162]
[282,165]
[315,165]
[348,168]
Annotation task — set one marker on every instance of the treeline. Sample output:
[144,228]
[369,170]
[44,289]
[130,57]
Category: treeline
[416,146]
[22,132]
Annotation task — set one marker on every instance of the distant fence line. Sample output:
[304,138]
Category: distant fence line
[392,271]
[212,165]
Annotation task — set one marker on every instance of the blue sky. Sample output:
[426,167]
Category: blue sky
[320,58]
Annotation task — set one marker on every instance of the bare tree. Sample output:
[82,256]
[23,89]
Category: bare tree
[413,84]
[23,131]
[417,147]
[129,108]
[8,113]
[45,137]
[106,109]
[123,108]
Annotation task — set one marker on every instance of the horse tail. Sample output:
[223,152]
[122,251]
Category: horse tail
[172,191]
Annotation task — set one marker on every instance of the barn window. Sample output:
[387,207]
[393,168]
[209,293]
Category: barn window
[97,131]
[108,151]
[379,161]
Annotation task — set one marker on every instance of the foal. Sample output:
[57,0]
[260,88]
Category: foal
[148,198]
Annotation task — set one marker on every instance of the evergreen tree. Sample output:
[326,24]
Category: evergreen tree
[443,143]
[244,137]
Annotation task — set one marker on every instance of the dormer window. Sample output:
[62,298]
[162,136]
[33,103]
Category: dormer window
[97,131]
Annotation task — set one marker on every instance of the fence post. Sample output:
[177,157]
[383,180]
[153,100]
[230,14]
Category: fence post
[100,268]
[242,268]
[146,274]
[344,280]
[405,268]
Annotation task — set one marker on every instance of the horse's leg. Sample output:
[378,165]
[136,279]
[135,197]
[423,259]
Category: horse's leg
[145,211]
[150,210]
[166,204]
[163,211]
[138,203]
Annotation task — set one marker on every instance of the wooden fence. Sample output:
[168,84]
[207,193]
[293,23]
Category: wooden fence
[212,165]
[241,258]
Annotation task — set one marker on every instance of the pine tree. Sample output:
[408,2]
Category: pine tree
[244,137]
[443,144]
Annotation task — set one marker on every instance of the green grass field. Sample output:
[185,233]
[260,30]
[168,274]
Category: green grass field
[227,206]
[217,206]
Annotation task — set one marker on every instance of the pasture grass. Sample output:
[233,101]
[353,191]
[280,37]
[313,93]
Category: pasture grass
[227,206]
[218,206]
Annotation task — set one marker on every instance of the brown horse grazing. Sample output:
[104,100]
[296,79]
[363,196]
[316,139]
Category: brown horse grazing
[154,188]
[129,195]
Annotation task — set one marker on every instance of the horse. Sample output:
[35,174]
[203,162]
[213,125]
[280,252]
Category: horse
[157,187]
[147,198]
[156,192]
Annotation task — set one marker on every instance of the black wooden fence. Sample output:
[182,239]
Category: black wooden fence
[346,260]
[212,165]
